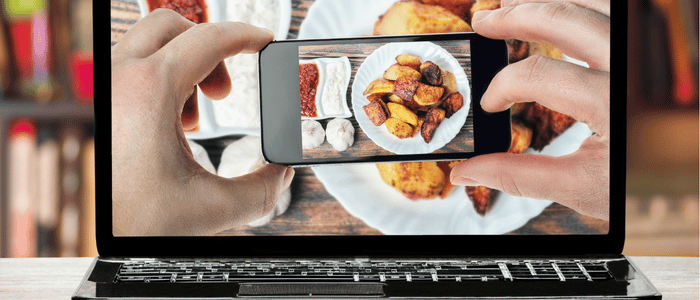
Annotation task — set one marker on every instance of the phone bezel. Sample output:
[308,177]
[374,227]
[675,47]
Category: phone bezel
[280,121]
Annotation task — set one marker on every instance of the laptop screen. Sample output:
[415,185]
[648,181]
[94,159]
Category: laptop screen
[172,140]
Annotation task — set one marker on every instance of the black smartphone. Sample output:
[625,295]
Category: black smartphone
[380,99]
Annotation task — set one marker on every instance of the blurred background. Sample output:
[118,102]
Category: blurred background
[47,128]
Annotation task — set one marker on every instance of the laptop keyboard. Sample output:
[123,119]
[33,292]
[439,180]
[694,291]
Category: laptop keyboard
[175,271]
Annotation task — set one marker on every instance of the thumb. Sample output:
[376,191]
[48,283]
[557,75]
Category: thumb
[570,180]
[236,201]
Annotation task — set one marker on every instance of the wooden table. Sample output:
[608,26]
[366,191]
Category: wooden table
[58,278]
[315,212]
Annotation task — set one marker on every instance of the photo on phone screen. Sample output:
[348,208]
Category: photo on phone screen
[405,98]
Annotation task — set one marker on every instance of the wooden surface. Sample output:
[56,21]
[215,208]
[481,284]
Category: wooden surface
[58,278]
[312,209]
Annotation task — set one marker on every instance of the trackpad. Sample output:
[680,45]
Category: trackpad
[311,289]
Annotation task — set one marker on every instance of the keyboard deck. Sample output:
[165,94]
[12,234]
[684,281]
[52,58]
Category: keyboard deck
[175,271]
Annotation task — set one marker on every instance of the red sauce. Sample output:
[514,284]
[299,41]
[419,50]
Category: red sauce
[308,84]
[193,10]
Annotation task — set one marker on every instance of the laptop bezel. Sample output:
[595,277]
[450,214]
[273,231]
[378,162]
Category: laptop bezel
[109,245]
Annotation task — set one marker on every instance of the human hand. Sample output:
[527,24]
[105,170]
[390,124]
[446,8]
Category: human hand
[157,187]
[581,30]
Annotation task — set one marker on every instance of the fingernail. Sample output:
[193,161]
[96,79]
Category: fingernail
[464,181]
[288,176]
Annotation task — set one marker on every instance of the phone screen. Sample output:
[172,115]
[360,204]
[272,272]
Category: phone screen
[385,99]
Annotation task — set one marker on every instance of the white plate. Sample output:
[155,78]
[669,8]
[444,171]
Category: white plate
[322,63]
[361,191]
[208,126]
[374,67]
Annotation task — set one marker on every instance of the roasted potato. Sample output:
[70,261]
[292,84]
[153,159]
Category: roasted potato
[451,103]
[521,138]
[484,5]
[415,180]
[411,17]
[377,112]
[408,60]
[432,120]
[398,128]
[458,7]
[449,82]
[377,96]
[546,124]
[544,49]
[482,198]
[405,87]
[419,125]
[402,113]
[380,85]
[428,95]
[517,50]
[396,71]
[396,99]
[432,74]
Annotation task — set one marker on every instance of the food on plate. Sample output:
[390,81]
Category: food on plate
[380,85]
[377,112]
[458,7]
[402,113]
[396,71]
[517,50]
[521,137]
[308,87]
[411,96]
[408,60]
[432,121]
[451,103]
[340,133]
[415,180]
[334,89]
[482,198]
[446,167]
[412,17]
[484,5]
[449,82]
[428,96]
[193,10]
[312,134]
[405,87]
[546,124]
[399,128]
[431,72]
[544,49]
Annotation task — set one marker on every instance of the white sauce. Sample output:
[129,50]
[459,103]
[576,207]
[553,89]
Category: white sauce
[334,89]
[242,107]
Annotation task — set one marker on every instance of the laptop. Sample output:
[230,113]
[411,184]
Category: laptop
[410,265]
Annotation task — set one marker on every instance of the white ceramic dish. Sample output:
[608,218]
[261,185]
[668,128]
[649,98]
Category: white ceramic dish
[374,67]
[322,63]
[361,191]
[208,127]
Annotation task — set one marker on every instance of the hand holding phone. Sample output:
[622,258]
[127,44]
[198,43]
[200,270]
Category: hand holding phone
[379,99]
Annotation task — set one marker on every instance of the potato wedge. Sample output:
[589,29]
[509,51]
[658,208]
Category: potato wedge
[409,61]
[419,125]
[394,98]
[380,85]
[405,87]
[377,96]
[396,71]
[452,103]
[432,74]
[399,128]
[402,113]
[377,112]
[449,82]
[415,180]
[432,121]
[427,95]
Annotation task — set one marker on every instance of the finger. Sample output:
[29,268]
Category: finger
[190,112]
[217,85]
[601,6]
[151,33]
[192,55]
[558,85]
[580,33]
[240,200]
[573,180]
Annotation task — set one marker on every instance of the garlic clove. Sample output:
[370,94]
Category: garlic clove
[312,134]
[340,133]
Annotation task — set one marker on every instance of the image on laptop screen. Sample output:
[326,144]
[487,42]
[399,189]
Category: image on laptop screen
[408,198]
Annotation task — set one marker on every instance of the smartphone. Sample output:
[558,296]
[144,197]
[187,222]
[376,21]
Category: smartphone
[380,99]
